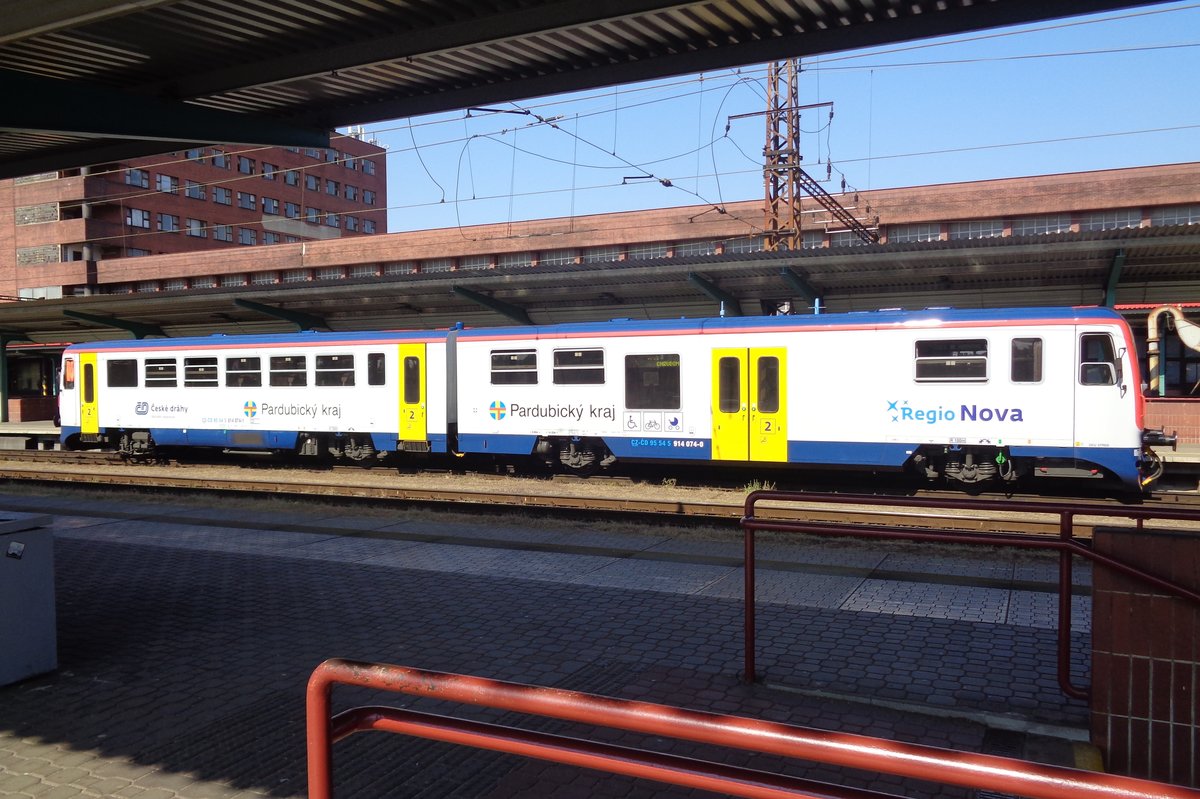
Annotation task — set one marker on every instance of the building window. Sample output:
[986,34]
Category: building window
[245,165]
[332,219]
[194,154]
[364,270]
[247,201]
[351,192]
[368,197]
[222,195]
[1175,215]
[204,282]
[175,284]
[133,252]
[977,229]
[136,217]
[223,232]
[196,228]
[475,262]
[330,155]
[330,273]
[906,234]
[295,276]
[598,255]
[270,238]
[269,170]
[351,223]
[368,166]
[951,361]
[332,188]
[559,257]
[312,182]
[194,190]
[1041,225]
[652,381]
[220,160]
[514,367]
[399,268]
[812,239]
[845,238]
[745,244]
[437,265]
[236,279]
[686,249]
[312,215]
[146,286]
[368,226]
[291,210]
[167,183]
[515,259]
[1111,220]
[137,177]
[270,206]
[291,177]
[641,252]
[311,152]
[247,236]
[348,161]
[264,278]
[578,367]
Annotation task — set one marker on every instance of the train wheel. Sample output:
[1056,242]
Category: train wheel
[582,457]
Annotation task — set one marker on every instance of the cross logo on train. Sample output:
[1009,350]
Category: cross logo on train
[498,410]
[250,409]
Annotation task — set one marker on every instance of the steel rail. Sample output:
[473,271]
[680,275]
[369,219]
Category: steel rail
[948,767]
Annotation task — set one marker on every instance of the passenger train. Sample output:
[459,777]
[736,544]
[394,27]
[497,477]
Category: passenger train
[967,396]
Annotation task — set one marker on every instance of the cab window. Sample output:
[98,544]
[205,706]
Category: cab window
[1097,360]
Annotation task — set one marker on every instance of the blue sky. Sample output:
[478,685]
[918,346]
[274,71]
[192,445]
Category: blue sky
[1078,94]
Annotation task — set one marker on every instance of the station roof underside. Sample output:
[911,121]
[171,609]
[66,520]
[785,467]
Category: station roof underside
[1135,266]
[94,81]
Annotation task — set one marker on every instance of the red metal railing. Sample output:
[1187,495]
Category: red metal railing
[1066,545]
[851,751]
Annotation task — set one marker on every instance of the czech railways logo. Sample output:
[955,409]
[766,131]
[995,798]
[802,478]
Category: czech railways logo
[250,409]
[498,410]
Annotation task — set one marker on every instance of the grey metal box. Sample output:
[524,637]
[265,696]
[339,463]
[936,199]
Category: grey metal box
[28,628]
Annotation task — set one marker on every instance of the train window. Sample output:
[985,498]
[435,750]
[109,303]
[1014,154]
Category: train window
[89,383]
[68,373]
[729,385]
[122,374]
[335,370]
[1026,360]
[160,373]
[652,381]
[768,384]
[1097,360]
[289,370]
[577,367]
[243,372]
[412,380]
[514,367]
[200,372]
[376,370]
[952,361]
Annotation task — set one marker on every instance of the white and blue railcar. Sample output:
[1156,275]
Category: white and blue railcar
[970,395]
[350,395]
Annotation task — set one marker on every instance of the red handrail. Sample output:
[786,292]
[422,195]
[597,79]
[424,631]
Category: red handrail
[841,749]
[1066,545]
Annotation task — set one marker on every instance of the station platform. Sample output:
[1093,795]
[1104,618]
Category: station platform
[187,634]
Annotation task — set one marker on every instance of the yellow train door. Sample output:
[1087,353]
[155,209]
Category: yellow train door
[412,393]
[749,404]
[89,390]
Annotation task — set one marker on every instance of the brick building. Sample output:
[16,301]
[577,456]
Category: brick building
[62,227]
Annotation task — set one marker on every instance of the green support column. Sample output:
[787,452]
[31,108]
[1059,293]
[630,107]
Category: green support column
[1114,277]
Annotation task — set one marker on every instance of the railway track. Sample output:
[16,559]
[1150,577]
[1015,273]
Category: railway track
[616,497]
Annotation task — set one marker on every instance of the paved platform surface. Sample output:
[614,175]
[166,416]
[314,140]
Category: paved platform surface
[187,635]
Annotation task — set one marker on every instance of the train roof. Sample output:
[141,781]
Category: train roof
[857,320]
